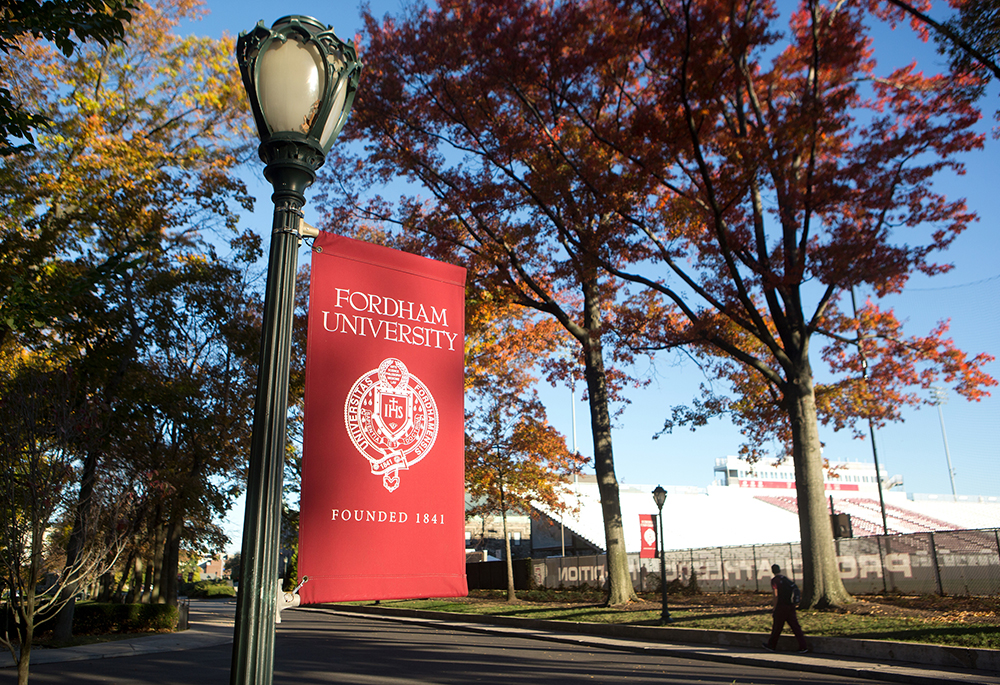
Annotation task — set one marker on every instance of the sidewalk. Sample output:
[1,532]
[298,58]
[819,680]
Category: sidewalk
[213,625]
[861,659]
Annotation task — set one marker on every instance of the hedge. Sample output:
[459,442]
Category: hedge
[94,618]
[207,589]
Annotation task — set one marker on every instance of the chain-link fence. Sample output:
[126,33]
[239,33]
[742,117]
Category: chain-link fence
[963,562]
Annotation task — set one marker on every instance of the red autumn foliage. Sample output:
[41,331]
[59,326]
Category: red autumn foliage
[736,169]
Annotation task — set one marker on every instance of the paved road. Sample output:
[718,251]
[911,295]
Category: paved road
[331,649]
[316,647]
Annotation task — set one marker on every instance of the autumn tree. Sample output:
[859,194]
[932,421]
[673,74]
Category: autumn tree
[134,127]
[120,217]
[64,23]
[183,405]
[740,178]
[39,422]
[779,186]
[969,36]
[446,110]
[514,460]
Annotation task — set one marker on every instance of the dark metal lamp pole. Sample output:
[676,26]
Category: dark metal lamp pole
[301,81]
[660,497]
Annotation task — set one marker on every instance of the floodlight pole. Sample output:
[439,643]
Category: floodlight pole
[940,398]
[871,424]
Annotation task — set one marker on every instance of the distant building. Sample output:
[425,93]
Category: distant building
[554,535]
[213,568]
[484,535]
[745,504]
[536,534]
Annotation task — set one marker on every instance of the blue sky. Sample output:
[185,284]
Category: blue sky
[914,448]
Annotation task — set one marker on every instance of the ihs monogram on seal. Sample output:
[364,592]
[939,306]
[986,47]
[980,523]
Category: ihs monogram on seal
[392,419]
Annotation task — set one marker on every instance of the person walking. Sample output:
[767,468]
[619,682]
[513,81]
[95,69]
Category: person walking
[786,600]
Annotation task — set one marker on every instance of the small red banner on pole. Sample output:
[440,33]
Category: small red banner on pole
[383,472]
[647,532]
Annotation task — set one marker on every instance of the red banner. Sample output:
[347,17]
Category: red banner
[647,531]
[383,471]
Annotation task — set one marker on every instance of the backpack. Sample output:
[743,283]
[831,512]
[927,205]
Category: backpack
[788,591]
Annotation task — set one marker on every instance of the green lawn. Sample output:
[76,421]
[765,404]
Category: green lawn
[938,621]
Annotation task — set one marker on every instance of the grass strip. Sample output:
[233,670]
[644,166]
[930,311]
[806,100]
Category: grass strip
[933,630]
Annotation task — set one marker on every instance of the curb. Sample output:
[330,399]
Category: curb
[874,659]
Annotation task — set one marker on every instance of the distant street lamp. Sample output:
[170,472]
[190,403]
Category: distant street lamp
[660,497]
[301,81]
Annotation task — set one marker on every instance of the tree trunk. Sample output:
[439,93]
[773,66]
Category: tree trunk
[171,562]
[63,629]
[822,587]
[27,637]
[159,552]
[126,576]
[620,590]
[511,592]
[104,587]
[146,594]
[29,604]
[136,570]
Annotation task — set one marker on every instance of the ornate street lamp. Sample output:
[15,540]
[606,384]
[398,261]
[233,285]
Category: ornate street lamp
[660,497]
[301,81]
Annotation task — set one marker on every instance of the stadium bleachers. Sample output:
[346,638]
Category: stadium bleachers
[866,515]
[728,515]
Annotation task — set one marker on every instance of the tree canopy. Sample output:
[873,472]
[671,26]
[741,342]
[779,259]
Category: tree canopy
[450,115]
[123,266]
[65,24]
[714,174]
[514,460]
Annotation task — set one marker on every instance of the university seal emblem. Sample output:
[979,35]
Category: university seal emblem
[392,420]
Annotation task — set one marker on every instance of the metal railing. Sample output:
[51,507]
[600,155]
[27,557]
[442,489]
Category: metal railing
[962,562]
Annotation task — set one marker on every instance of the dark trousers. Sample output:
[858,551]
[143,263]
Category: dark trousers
[785,613]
